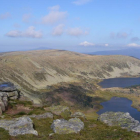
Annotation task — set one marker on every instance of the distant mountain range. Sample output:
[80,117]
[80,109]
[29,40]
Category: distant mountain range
[41,48]
[133,52]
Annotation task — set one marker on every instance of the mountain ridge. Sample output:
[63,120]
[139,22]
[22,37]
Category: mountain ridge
[35,70]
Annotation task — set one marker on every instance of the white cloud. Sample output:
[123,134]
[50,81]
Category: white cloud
[54,15]
[106,45]
[76,32]
[81,2]
[85,43]
[5,15]
[133,45]
[14,33]
[26,17]
[58,30]
[30,32]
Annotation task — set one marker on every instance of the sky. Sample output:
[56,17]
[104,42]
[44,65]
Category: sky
[75,25]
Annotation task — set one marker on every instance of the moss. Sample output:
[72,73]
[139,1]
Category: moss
[66,114]
[4,135]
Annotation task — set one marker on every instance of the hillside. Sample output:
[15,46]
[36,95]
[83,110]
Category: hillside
[35,70]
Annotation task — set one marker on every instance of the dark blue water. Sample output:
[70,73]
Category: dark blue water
[119,82]
[120,104]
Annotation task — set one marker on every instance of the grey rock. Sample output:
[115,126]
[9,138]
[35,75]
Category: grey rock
[11,94]
[42,116]
[121,119]
[18,126]
[2,105]
[136,129]
[78,115]
[61,126]
[59,109]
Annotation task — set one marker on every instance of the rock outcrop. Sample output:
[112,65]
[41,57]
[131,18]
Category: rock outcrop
[78,115]
[7,92]
[18,126]
[121,119]
[61,126]
[42,116]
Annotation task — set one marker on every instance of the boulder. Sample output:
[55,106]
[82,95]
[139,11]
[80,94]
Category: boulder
[42,116]
[78,115]
[61,126]
[121,119]
[18,126]
[58,110]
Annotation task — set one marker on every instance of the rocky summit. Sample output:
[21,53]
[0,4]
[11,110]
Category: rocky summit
[121,119]
[18,126]
[61,126]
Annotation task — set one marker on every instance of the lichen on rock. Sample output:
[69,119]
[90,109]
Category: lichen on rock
[42,116]
[121,119]
[18,126]
[78,115]
[58,109]
[61,126]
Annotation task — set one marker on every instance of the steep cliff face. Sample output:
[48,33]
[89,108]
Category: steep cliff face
[35,70]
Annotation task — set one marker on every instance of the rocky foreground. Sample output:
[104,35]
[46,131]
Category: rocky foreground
[24,125]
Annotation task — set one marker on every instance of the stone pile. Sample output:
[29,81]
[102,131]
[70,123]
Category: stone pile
[7,92]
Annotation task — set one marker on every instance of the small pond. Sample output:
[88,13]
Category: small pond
[119,82]
[120,104]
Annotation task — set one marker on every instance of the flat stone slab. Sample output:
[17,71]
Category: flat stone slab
[42,116]
[121,119]
[61,126]
[7,87]
[18,126]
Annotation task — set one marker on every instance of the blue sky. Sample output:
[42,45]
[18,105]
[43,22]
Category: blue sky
[76,25]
